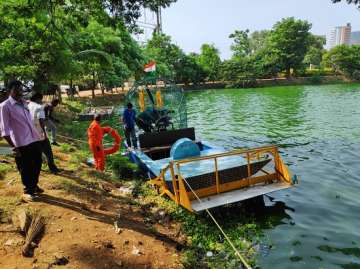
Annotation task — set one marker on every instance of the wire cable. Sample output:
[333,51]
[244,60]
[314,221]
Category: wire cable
[242,259]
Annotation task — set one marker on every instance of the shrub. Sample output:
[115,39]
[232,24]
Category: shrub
[122,168]
[315,79]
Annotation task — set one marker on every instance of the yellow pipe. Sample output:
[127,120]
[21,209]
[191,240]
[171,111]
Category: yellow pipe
[159,100]
[141,100]
[217,176]
[174,183]
[226,154]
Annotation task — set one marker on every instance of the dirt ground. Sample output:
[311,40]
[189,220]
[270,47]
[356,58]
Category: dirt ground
[80,211]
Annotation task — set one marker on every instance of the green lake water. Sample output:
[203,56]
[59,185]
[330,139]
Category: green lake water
[318,131]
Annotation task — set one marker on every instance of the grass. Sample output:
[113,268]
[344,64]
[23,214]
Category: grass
[203,236]
[4,168]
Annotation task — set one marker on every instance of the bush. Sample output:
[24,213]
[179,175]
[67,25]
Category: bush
[122,168]
[319,72]
[356,75]
[315,79]
[3,170]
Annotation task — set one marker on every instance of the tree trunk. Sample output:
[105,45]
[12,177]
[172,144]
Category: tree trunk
[59,94]
[288,72]
[94,85]
[102,89]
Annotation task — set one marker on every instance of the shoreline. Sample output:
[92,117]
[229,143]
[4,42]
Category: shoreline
[273,82]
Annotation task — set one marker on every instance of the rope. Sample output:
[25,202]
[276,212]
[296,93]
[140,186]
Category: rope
[73,139]
[80,141]
[242,259]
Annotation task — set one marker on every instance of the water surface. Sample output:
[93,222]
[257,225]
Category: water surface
[318,131]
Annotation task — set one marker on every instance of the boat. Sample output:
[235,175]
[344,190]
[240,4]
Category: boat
[88,114]
[194,173]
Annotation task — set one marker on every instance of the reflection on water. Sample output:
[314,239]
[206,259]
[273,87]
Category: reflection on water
[317,128]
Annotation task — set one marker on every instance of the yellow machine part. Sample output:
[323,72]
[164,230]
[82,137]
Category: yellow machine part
[142,100]
[159,100]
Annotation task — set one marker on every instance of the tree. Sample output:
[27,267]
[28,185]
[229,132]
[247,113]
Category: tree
[43,41]
[289,41]
[172,62]
[356,2]
[210,61]
[241,46]
[29,48]
[316,50]
[344,59]
[258,40]
[128,11]
[166,54]
[187,70]
[114,56]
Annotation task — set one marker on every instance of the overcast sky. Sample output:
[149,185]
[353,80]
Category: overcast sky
[194,22]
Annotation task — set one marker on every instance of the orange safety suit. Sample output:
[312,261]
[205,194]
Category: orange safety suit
[95,135]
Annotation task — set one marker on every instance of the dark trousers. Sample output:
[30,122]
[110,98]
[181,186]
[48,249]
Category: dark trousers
[130,133]
[46,149]
[29,162]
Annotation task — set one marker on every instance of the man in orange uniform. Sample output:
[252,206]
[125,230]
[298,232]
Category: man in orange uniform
[95,135]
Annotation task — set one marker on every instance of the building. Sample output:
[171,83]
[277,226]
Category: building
[341,35]
[355,38]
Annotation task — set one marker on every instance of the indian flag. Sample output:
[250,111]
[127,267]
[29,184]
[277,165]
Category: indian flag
[150,67]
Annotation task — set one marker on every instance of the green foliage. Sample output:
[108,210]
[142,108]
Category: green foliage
[121,167]
[345,60]
[356,2]
[110,54]
[66,148]
[240,72]
[172,62]
[241,46]
[204,236]
[316,50]
[189,259]
[128,11]
[264,54]
[166,54]
[289,41]
[210,61]
[187,70]
[315,79]
[258,40]
[29,48]
[56,41]
[4,168]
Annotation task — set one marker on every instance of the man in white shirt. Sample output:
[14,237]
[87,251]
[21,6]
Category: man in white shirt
[38,117]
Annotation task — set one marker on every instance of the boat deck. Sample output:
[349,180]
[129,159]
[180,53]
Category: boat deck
[88,113]
[232,167]
[236,195]
[194,168]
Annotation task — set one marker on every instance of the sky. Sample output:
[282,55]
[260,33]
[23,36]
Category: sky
[191,23]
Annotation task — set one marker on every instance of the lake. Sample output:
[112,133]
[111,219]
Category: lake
[318,131]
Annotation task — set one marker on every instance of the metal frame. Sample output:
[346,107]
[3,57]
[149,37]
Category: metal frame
[184,197]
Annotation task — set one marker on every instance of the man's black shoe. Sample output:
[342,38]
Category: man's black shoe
[39,190]
[55,170]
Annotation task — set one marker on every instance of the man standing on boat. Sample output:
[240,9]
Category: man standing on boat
[18,129]
[129,116]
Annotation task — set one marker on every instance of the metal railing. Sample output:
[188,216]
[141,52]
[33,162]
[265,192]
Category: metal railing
[183,196]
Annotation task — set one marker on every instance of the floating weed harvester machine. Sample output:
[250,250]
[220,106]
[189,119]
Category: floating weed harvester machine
[193,173]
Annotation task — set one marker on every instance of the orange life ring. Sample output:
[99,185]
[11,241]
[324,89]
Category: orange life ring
[117,141]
